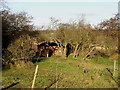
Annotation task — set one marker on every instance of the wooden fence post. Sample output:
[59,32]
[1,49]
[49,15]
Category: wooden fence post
[34,77]
[114,67]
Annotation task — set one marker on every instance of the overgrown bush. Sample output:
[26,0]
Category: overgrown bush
[22,48]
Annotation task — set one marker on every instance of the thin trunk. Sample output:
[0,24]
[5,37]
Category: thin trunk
[89,53]
[65,51]
[47,54]
[75,52]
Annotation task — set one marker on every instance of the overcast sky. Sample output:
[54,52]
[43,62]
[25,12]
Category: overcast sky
[62,0]
[93,11]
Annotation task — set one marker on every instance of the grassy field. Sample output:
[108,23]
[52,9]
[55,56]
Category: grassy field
[57,72]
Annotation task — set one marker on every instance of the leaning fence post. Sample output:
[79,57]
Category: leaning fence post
[114,67]
[34,76]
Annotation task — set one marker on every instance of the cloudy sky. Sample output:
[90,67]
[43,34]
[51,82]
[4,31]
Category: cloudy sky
[93,11]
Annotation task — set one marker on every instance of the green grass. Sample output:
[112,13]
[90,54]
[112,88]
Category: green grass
[101,60]
[72,73]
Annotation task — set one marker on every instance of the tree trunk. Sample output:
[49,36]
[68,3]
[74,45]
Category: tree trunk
[89,53]
[65,51]
[76,51]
